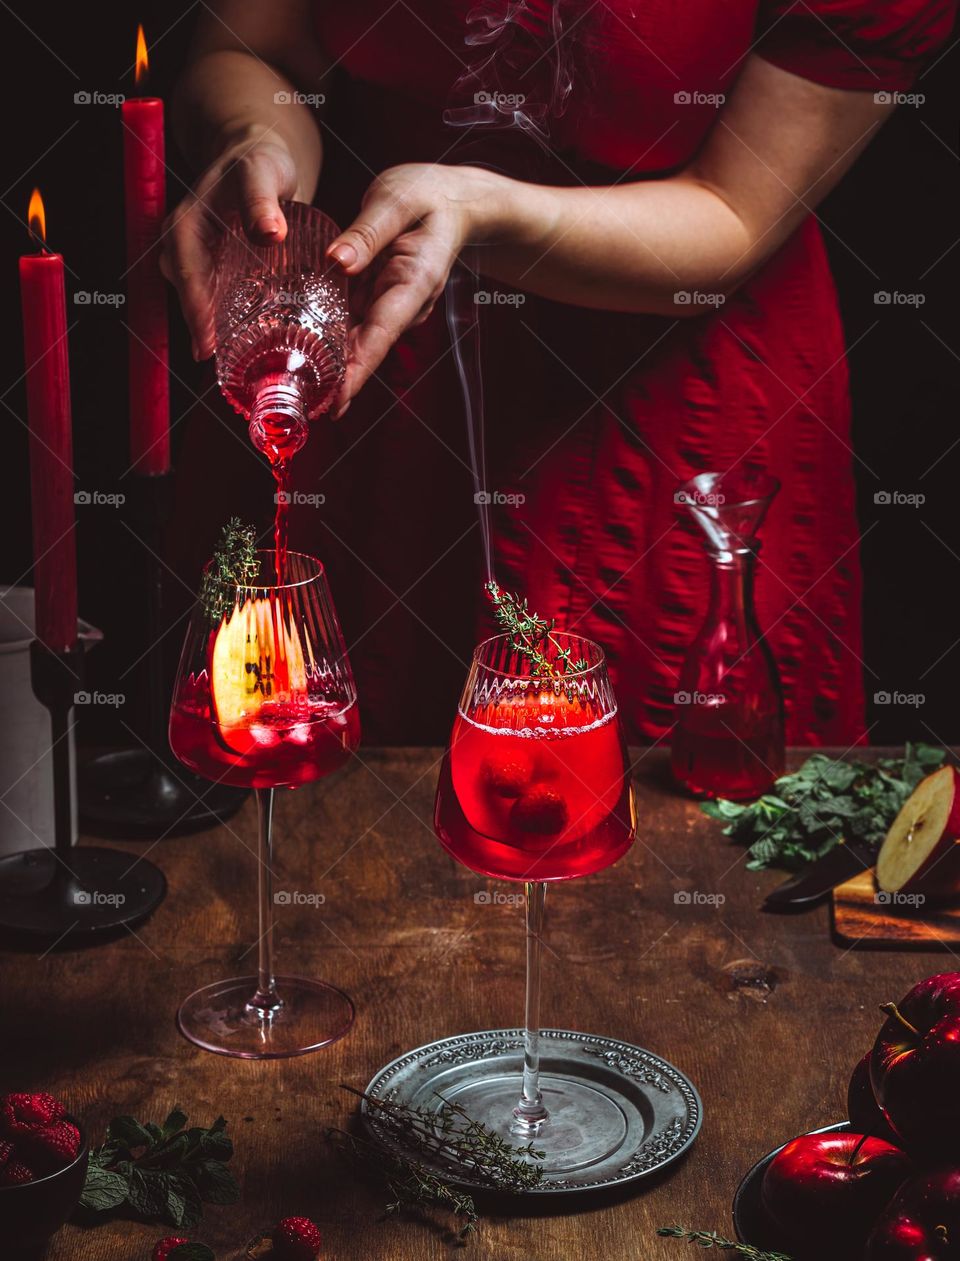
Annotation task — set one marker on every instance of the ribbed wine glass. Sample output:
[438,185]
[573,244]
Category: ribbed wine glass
[535,787]
[265,698]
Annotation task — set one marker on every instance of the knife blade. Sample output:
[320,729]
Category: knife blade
[813,884]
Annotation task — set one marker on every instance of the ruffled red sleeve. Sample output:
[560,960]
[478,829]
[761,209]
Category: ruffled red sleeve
[865,45]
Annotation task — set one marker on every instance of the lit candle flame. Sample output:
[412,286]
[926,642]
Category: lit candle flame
[37,217]
[142,63]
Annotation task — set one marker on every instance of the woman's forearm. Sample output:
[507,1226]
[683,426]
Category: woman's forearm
[621,248]
[777,147]
[227,99]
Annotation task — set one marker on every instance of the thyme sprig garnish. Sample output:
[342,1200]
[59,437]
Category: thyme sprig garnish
[233,564]
[531,636]
[447,1134]
[710,1239]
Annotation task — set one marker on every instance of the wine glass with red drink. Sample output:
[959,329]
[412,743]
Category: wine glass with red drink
[265,699]
[535,787]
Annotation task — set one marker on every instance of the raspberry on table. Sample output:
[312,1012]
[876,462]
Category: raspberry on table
[163,1247]
[297,1239]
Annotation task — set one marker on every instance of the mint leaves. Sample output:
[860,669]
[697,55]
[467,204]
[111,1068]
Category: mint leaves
[808,811]
[161,1173]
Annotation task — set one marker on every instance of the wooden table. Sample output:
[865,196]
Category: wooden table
[764,1013]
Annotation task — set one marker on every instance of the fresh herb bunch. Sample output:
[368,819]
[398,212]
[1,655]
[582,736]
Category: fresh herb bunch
[234,564]
[710,1239]
[161,1173]
[809,811]
[449,1135]
[531,636]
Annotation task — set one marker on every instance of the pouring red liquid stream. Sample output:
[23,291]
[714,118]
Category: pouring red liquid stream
[279,442]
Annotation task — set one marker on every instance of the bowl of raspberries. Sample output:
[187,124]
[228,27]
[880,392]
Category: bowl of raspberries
[43,1165]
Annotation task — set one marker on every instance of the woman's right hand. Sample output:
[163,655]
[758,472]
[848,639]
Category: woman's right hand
[251,176]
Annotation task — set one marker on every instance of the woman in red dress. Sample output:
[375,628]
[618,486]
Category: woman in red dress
[641,182]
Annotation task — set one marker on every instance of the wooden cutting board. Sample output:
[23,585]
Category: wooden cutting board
[860,920]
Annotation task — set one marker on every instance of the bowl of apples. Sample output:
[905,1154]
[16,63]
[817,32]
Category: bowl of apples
[885,1184]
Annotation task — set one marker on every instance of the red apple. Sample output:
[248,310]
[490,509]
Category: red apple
[863,1111]
[824,1192]
[923,1221]
[915,1068]
[921,851]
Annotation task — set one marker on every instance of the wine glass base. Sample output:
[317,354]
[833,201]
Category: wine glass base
[218,1018]
[584,1125]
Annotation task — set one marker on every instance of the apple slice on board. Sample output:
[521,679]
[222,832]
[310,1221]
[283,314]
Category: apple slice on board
[255,656]
[921,851]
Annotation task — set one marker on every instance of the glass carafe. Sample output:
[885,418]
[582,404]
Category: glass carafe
[728,737]
[281,328]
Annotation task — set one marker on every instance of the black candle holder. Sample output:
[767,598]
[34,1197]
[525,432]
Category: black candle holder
[143,792]
[70,890]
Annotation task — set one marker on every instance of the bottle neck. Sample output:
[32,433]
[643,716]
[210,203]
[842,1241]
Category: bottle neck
[731,584]
[278,420]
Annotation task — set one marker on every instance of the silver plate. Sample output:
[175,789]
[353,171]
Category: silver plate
[661,1110]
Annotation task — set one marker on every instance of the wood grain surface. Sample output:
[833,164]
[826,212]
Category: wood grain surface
[862,918]
[765,1013]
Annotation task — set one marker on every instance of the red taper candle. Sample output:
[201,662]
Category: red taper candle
[43,297]
[145,189]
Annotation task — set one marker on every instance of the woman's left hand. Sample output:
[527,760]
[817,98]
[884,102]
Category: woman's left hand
[414,221]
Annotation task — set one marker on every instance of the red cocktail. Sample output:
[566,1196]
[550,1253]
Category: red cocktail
[533,787]
[287,743]
[265,699]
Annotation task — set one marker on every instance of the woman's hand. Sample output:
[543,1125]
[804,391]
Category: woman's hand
[251,175]
[414,221]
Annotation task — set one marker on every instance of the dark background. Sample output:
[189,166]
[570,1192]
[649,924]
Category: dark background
[891,226]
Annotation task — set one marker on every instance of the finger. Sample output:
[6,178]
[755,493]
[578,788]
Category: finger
[259,188]
[383,217]
[187,262]
[386,320]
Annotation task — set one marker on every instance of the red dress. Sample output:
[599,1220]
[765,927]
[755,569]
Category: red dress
[593,418]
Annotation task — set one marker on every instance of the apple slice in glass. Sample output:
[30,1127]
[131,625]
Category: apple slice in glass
[255,658]
[921,851]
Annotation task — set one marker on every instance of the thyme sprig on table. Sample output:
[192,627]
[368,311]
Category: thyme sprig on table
[710,1239]
[531,636]
[449,1135]
[233,564]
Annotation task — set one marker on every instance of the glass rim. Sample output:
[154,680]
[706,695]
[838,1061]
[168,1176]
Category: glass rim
[528,678]
[771,480]
[279,586]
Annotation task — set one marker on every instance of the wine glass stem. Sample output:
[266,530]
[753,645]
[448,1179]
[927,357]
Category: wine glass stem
[529,1115]
[266,1000]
